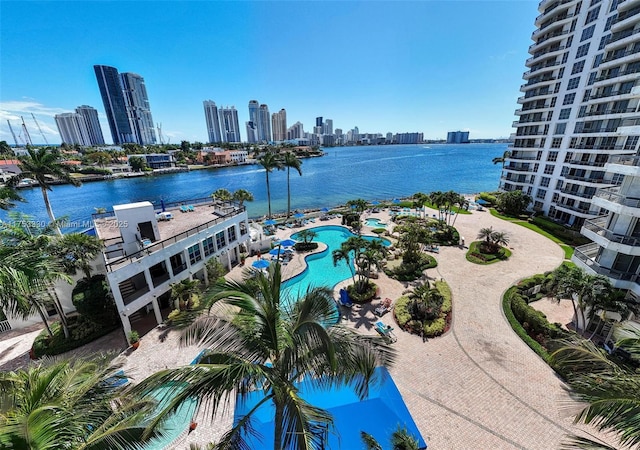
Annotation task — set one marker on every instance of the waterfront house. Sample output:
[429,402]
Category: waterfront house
[157,160]
[149,248]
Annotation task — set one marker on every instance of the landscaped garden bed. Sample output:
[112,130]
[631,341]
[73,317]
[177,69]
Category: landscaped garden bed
[426,311]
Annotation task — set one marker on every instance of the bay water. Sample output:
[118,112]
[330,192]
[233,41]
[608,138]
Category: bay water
[344,173]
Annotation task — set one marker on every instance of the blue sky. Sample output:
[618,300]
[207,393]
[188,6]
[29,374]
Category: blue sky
[427,66]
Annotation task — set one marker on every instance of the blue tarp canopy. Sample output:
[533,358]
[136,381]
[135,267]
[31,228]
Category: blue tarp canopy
[379,415]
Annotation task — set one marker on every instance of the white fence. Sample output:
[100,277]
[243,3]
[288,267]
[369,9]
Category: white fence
[4,326]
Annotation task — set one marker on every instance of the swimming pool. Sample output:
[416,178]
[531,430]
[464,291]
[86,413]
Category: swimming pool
[374,222]
[320,270]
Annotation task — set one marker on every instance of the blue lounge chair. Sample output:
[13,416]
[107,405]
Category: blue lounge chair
[190,208]
[386,331]
[344,299]
[184,209]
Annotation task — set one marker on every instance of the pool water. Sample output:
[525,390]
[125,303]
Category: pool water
[375,223]
[320,270]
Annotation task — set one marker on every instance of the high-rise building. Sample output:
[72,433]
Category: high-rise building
[279,123]
[319,121]
[264,124]
[458,137]
[94,129]
[229,125]
[578,109]
[213,121]
[137,101]
[115,105]
[73,129]
[296,131]
[328,126]
[252,124]
[252,132]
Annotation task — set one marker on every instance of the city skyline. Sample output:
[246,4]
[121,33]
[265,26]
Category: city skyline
[387,67]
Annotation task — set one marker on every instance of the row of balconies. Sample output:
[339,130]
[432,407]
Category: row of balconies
[551,8]
[587,255]
[541,53]
[613,195]
[619,54]
[598,226]
[568,191]
[626,14]
[604,112]
[615,37]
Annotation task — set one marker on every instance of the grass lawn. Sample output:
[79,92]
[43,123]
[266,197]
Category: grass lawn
[475,256]
[454,208]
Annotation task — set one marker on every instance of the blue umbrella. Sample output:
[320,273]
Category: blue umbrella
[298,215]
[325,210]
[270,222]
[276,251]
[288,243]
[395,200]
[375,202]
[260,264]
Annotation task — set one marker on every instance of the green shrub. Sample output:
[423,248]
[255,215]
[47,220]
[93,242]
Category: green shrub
[306,246]
[362,297]
[434,328]
[488,197]
[81,330]
[444,289]
[92,299]
[379,230]
[401,311]
[566,235]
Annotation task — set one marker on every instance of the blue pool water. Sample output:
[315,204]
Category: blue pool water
[320,270]
[375,223]
[379,414]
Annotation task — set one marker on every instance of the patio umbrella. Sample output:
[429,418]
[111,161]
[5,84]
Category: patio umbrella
[276,251]
[325,209]
[270,222]
[375,202]
[288,243]
[396,201]
[298,215]
[260,264]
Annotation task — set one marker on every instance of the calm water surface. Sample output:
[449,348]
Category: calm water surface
[345,173]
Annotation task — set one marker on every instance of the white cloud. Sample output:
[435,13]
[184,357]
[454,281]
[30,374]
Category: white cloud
[16,110]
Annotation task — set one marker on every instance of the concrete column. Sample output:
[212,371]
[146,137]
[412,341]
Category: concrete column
[156,309]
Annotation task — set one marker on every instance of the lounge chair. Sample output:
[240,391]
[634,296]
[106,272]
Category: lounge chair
[383,308]
[190,208]
[344,299]
[386,331]
[184,209]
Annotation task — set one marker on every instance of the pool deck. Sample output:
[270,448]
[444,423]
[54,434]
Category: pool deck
[477,387]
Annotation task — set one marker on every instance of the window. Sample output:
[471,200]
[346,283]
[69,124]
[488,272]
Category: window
[555,197]
[209,247]
[194,254]
[564,171]
[541,193]
[587,33]
[178,264]
[614,5]
[569,41]
[610,22]
[544,182]
[568,99]
[594,2]
[553,156]
[583,50]
[597,60]
[560,72]
[559,184]
[582,112]
[587,95]
[548,169]
[537,205]
[220,241]
[564,113]
[577,67]
[592,15]
[631,143]
[573,83]
[555,143]
[553,102]
[592,78]
[604,40]
[565,57]
[560,128]
[231,232]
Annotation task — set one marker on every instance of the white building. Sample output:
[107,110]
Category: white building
[579,105]
[73,129]
[213,121]
[145,254]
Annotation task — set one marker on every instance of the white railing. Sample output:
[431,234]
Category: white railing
[4,326]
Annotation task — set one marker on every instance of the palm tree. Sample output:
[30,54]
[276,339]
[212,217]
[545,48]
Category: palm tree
[222,195]
[69,404]
[269,161]
[270,345]
[43,165]
[438,199]
[77,251]
[486,234]
[500,238]
[401,439]
[184,292]
[290,162]
[611,391]
[242,195]
[502,159]
[7,197]
[344,254]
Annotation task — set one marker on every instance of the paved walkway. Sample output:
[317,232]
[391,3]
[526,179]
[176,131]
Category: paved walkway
[477,387]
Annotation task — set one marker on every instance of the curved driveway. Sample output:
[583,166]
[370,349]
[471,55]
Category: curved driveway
[480,386]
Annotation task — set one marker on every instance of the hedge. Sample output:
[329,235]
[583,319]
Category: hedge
[82,330]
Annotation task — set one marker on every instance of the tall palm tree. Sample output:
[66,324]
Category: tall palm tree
[269,161]
[290,162]
[438,199]
[270,345]
[76,251]
[401,439]
[44,165]
[611,391]
[69,405]
[242,195]
[344,254]
[502,159]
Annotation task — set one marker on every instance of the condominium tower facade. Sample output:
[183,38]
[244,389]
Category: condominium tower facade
[229,125]
[137,100]
[579,106]
[90,115]
[73,129]
[213,121]
[279,125]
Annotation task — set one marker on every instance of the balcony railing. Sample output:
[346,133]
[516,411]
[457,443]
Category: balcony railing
[576,208]
[519,168]
[612,195]
[575,193]
[588,179]
[587,254]
[623,34]
[609,111]
[597,226]
[577,162]
[625,160]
